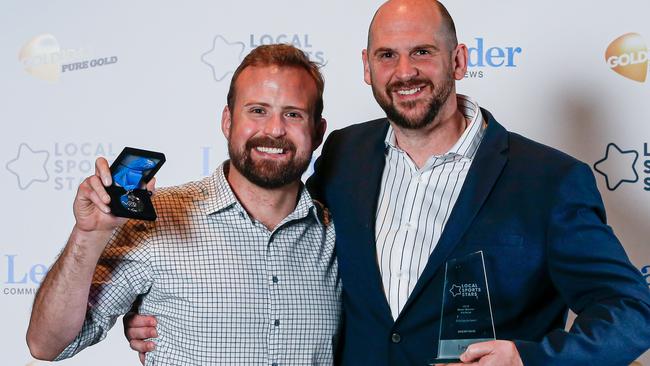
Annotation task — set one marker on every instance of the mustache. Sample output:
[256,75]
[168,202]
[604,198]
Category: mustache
[408,84]
[266,141]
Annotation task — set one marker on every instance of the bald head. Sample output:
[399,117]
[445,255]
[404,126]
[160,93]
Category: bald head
[415,11]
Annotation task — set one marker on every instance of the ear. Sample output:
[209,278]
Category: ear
[321,127]
[226,122]
[366,66]
[459,61]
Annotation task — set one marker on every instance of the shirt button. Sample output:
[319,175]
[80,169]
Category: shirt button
[275,279]
[395,337]
[276,322]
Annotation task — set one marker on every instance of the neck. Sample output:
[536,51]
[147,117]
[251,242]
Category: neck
[434,139]
[267,205]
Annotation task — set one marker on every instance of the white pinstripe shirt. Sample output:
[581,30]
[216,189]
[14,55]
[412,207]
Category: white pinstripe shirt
[225,289]
[414,205]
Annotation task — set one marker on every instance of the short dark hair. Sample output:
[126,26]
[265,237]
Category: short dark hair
[282,55]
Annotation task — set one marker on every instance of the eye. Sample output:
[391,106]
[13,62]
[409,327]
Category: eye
[386,55]
[421,52]
[256,110]
[294,115]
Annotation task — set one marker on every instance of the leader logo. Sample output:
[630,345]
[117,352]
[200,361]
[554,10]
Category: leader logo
[64,165]
[224,56]
[483,56]
[619,166]
[627,55]
[43,58]
[18,277]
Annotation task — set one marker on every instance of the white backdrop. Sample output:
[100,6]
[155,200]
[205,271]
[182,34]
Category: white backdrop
[80,79]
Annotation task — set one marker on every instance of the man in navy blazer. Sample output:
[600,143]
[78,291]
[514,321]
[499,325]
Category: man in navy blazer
[535,213]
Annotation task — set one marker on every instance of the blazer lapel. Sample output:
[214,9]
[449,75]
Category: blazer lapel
[490,159]
[370,163]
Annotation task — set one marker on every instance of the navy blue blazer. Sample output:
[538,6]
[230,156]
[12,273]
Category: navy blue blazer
[538,217]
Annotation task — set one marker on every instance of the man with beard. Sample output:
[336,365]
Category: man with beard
[440,179]
[239,267]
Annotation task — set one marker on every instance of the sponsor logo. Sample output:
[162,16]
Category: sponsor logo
[627,55]
[43,58]
[224,56]
[64,165]
[484,57]
[620,166]
[18,277]
[465,290]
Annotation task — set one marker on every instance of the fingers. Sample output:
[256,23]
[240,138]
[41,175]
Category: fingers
[151,185]
[140,333]
[477,350]
[138,320]
[142,346]
[103,171]
[141,355]
[91,189]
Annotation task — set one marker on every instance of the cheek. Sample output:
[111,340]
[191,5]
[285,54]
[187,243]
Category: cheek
[242,129]
[303,138]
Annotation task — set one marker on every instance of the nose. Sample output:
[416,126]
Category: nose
[274,126]
[405,69]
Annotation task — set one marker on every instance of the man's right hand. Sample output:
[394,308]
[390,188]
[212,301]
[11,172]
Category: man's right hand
[137,328]
[90,206]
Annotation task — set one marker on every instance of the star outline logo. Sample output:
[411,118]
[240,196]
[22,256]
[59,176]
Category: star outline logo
[608,181]
[19,179]
[451,289]
[213,49]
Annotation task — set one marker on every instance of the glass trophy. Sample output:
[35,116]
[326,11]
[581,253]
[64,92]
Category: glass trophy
[466,315]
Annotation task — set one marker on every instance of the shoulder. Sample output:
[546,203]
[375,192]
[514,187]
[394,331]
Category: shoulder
[377,127]
[532,151]
[527,152]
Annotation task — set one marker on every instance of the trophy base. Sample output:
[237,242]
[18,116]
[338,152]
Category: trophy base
[436,361]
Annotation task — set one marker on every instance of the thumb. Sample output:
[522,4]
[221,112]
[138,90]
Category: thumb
[475,351]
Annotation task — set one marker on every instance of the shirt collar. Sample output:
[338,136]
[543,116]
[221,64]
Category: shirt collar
[468,142]
[219,196]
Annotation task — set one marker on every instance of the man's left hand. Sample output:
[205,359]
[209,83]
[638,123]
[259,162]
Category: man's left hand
[492,353]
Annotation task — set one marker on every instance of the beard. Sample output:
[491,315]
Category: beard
[431,108]
[267,173]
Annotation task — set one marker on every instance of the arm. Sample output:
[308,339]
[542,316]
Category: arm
[60,306]
[592,273]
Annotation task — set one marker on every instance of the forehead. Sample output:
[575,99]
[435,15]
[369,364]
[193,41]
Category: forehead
[282,84]
[406,26]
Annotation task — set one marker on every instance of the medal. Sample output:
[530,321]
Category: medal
[129,176]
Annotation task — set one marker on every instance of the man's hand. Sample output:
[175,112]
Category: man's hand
[90,207]
[492,353]
[137,328]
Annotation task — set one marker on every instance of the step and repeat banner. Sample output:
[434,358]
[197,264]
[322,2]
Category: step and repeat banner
[84,79]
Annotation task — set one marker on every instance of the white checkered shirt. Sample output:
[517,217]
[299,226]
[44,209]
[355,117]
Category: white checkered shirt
[225,289]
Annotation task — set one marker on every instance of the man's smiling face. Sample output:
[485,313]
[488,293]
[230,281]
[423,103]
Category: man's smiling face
[271,130]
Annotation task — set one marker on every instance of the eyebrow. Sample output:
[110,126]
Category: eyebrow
[286,107]
[416,47]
